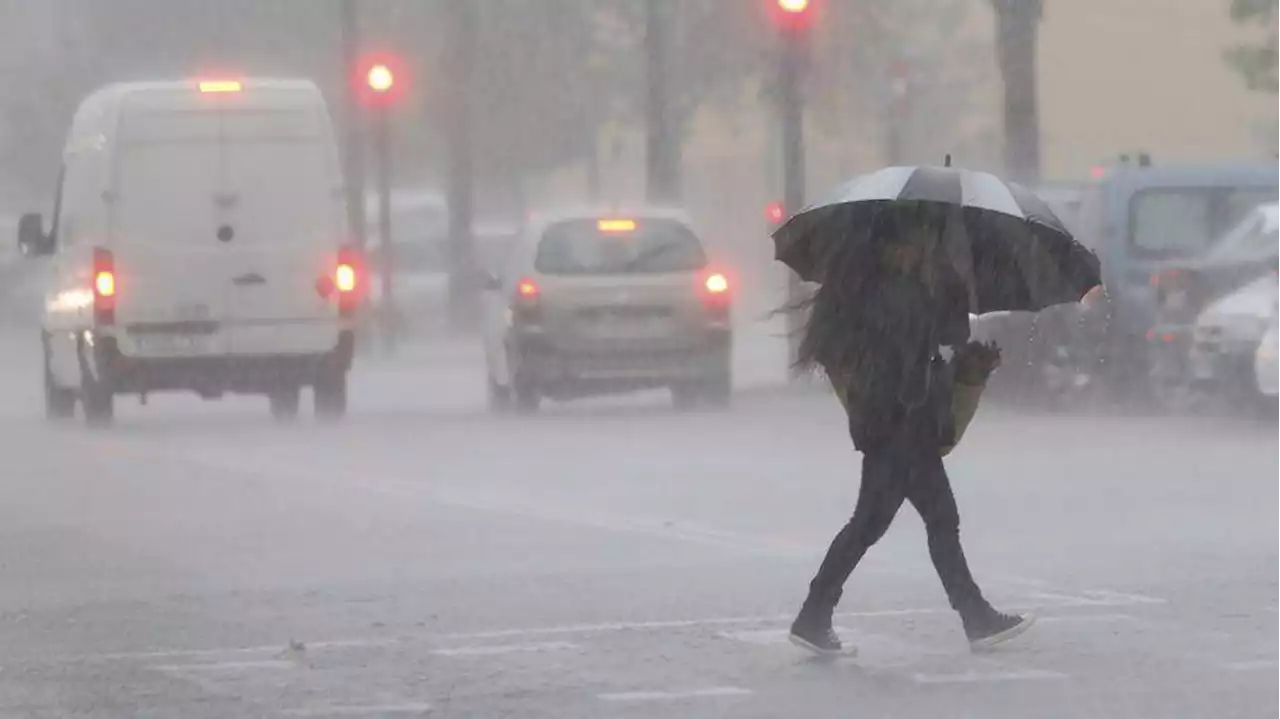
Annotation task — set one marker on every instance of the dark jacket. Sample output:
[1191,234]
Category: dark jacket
[899,390]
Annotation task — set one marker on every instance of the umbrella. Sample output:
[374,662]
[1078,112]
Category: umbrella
[1017,254]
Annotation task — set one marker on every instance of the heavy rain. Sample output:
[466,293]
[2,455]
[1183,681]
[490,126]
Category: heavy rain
[529,358]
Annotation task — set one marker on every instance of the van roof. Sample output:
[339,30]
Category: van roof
[1218,175]
[116,92]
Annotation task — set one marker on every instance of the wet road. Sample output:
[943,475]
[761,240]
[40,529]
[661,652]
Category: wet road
[612,559]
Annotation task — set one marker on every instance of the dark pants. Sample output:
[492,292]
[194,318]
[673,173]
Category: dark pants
[890,475]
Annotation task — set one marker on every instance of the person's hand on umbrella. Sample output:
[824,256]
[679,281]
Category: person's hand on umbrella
[975,361]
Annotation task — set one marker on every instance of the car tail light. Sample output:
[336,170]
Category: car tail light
[524,305]
[714,289]
[616,225]
[104,286]
[527,291]
[716,284]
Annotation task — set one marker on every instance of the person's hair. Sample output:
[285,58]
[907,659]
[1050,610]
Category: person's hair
[851,268]
[837,324]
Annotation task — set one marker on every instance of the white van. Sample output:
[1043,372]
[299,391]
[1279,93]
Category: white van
[199,241]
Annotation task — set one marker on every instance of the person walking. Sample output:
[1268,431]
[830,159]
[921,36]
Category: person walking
[878,334]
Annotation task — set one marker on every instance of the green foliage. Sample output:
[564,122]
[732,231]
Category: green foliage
[1256,62]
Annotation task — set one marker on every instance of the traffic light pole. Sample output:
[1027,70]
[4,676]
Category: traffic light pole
[382,149]
[791,120]
[354,147]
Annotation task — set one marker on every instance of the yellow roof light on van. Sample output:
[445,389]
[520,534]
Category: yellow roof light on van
[616,225]
[220,86]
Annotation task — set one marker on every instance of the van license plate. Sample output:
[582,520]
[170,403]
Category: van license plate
[171,344]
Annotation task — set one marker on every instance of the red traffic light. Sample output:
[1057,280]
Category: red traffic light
[380,80]
[792,15]
[775,213]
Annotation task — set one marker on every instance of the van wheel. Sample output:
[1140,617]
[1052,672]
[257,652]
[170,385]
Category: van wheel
[331,395]
[284,403]
[59,403]
[718,391]
[527,398]
[499,397]
[97,401]
[684,396]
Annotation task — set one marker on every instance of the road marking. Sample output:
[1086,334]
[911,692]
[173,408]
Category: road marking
[369,710]
[268,664]
[770,637]
[1095,598]
[606,627]
[543,631]
[978,677]
[1076,618]
[495,649]
[1251,665]
[659,696]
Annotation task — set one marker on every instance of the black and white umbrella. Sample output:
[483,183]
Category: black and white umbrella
[1018,254]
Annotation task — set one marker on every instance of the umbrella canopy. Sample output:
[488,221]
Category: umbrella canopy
[1016,252]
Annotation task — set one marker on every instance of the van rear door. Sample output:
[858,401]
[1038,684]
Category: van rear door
[171,270]
[288,221]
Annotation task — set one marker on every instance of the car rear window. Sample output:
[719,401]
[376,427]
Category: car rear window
[582,247]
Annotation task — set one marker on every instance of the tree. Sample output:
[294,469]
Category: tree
[707,49]
[77,45]
[1256,63]
[904,72]
[1017,30]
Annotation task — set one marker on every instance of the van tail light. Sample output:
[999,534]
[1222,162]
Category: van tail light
[347,280]
[104,286]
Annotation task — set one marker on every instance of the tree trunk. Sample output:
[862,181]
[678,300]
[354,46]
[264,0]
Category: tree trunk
[1017,26]
[662,148]
[461,181]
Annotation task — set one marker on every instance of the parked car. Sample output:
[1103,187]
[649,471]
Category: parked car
[1226,338]
[1266,362]
[1143,220]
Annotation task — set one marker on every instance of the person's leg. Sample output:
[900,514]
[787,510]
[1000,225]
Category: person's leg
[929,490]
[879,497]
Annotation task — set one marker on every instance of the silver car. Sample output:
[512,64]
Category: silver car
[595,303]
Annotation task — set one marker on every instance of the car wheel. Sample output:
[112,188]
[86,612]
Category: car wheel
[331,395]
[59,403]
[97,401]
[499,397]
[285,403]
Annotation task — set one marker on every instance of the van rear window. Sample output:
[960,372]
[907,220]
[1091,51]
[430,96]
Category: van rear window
[1180,222]
[581,247]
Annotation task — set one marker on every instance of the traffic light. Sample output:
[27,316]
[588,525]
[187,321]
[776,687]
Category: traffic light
[792,15]
[380,81]
[774,214]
